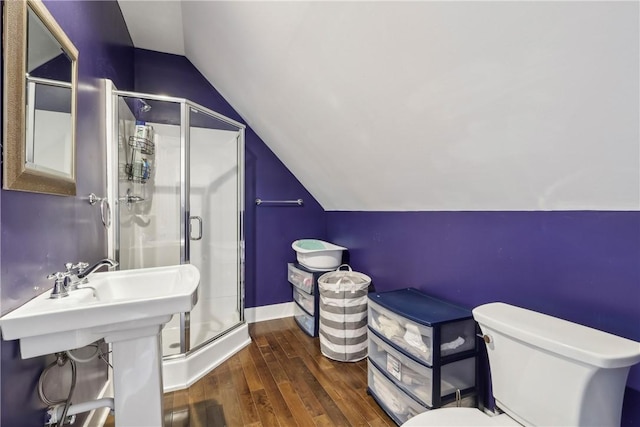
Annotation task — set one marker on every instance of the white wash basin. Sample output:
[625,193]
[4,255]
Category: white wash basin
[114,305]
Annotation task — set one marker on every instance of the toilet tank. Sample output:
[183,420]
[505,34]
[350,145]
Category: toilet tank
[548,371]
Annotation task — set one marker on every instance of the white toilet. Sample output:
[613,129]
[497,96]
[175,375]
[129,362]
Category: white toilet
[545,372]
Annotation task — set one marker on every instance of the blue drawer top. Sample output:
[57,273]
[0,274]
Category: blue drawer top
[419,307]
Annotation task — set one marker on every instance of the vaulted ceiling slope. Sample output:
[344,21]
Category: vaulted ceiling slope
[427,105]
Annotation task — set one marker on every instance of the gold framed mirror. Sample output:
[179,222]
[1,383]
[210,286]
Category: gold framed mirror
[39,101]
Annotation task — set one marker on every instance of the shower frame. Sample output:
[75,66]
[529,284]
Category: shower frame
[113,238]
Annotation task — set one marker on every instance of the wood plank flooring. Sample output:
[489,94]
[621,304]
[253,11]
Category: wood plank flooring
[280,379]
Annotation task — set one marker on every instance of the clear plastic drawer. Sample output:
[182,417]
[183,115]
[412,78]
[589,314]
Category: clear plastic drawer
[304,300]
[394,401]
[414,338]
[306,322]
[417,339]
[400,406]
[416,379]
[300,279]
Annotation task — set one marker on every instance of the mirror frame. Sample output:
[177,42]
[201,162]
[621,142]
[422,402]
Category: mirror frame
[16,174]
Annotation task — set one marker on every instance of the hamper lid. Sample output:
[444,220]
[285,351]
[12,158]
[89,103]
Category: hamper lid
[344,276]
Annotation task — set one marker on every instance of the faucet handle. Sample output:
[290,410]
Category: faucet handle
[57,275]
[60,286]
[79,267]
[73,270]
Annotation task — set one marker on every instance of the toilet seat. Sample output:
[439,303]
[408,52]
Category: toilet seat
[459,417]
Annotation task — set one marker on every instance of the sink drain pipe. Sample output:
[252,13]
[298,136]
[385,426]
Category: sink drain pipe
[55,413]
[61,360]
[61,410]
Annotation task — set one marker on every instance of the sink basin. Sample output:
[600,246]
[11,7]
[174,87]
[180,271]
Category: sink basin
[125,308]
[113,305]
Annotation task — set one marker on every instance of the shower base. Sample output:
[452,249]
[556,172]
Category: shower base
[180,372]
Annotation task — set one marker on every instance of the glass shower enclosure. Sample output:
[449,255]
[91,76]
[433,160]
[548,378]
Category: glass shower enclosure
[176,177]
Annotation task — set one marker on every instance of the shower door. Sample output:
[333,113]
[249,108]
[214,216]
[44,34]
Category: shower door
[214,224]
[188,208]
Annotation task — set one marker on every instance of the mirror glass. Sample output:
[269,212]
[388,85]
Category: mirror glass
[40,82]
[48,84]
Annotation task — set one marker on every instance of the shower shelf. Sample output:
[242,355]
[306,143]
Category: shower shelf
[139,171]
[144,145]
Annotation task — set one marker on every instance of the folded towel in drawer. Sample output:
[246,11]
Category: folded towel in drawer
[413,337]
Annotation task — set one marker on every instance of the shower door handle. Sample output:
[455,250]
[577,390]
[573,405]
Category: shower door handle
[199,219]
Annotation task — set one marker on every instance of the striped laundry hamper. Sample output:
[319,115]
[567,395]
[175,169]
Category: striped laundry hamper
[343,314]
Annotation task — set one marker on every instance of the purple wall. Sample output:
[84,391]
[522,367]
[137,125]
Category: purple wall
[579,266]
[42,232]
[269,231]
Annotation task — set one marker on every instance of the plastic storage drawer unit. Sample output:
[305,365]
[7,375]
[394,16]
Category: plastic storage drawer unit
[416,379]
[305,297]
[406,318]
[422,353]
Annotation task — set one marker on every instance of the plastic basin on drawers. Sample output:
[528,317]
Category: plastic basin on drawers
[417,379]
[306,322]
[417,339]
[300,279]
[304,300]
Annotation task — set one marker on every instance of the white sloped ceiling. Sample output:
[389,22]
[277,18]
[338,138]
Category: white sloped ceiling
[432,105]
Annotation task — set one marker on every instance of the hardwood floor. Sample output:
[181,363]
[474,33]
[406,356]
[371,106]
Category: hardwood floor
[280,379]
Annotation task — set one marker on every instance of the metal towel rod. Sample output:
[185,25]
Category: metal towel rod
[298,202]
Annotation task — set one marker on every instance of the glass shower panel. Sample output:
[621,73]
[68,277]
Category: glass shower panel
[149,191]
[214,225]
[149,184]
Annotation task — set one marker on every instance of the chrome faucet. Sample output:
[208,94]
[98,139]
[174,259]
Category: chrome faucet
[76,274]
[79,273]
[88,271]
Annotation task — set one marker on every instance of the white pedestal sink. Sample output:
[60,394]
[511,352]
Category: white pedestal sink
[125,308]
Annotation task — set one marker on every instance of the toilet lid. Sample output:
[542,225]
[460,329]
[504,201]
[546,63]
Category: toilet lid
[459,417]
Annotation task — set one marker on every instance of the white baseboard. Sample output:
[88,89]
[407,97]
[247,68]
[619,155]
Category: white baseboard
[98,416]
[268,312]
